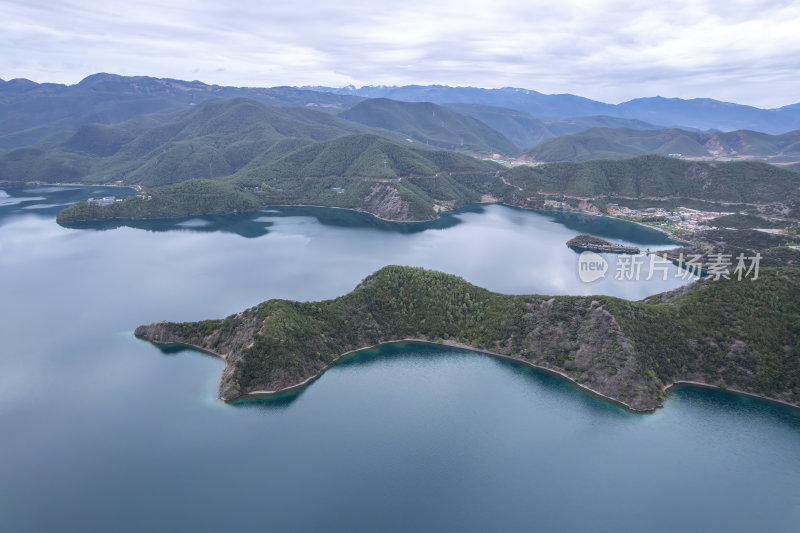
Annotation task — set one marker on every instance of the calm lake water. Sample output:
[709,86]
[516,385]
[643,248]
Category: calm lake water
[103,432]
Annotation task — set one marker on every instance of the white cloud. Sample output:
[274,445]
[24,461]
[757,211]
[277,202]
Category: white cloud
[744,51]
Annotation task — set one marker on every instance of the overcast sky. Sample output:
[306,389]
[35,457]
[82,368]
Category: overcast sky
[741,51]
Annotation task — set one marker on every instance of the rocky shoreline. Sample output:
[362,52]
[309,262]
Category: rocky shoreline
[144,333]
[594,342]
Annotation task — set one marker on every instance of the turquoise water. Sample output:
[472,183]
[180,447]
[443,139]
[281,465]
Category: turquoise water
[104,432]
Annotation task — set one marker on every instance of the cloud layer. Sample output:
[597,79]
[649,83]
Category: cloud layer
[741,51]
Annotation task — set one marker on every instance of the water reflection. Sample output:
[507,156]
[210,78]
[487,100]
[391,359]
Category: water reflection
[102,425]
[274,402]
[248,226]
[611,228]
[415,353]
[47,201]
[252,225]
[501,248]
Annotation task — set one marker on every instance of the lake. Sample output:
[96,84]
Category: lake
[104,432]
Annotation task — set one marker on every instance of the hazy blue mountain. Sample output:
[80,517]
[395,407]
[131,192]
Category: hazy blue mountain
[535,103]
[705,114]
[32,111]
[699,113]
[431,124]
[518,126]
[566,126]
[526,131]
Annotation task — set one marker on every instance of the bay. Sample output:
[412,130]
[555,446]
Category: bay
[102,431]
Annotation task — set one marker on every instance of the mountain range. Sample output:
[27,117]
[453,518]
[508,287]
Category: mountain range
[619,143]
[35,113]
[434,125]
[399,160]
[526,131]
[220,138]
[697,113]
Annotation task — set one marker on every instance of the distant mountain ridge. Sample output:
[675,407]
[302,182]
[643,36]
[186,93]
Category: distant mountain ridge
[526,131]
[533,102]
[32,111]
[699,113]
[431,124]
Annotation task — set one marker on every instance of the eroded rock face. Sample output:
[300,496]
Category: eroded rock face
[599,358]
[385,202]
[160,333]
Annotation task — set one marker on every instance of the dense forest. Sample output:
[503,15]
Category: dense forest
[727,333]
[621,143]
[191,197]
[661,177]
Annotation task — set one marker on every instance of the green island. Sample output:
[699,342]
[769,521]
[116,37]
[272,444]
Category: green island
[739,335]
[585,242]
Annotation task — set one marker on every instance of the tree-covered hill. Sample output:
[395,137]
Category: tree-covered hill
[431,125]
[191,197]
[620,143]
[220,138]
[653,176]
[373,174]
[362,172]
[517,126]
[362,156]
[211,140]
[743,335]
[302,156]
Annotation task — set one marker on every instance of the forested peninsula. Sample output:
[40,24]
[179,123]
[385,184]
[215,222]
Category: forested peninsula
[741,335]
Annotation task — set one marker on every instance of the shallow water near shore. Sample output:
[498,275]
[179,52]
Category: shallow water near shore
[103,431]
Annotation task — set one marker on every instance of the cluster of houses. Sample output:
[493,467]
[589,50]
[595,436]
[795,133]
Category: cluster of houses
[683,217]
[109,200]
[103,201]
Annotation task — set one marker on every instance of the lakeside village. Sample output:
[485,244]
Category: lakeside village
[682,217]
[673,221]
[110,200]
